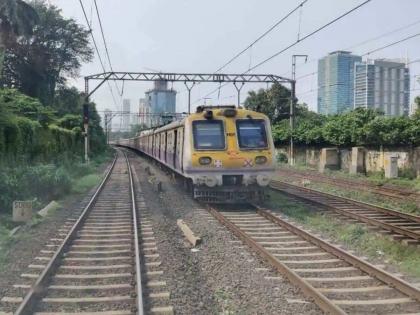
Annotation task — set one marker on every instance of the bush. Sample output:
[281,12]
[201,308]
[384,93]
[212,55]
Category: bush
[358,127]
[281,157]
[42,182]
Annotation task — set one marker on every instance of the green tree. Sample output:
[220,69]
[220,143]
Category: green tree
[57,50]
[348,128]
[274,102]
[16,19]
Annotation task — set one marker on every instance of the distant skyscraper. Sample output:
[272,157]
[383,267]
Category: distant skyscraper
[144,112]
[126,115]
[335,82]
[161,101]
[384,85]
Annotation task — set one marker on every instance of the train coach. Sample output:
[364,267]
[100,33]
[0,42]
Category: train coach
[224,154]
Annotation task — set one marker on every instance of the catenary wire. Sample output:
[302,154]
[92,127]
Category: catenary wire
[298,41]
[97,52]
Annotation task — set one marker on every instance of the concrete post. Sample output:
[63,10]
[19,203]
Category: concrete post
[358,164]
[329,159]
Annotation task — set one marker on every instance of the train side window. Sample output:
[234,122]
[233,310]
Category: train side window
[208,135]
[251,133]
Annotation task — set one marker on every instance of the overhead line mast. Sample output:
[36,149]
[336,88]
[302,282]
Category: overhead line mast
[86,104]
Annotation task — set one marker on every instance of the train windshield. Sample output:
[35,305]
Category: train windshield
[208,135]
[251,134]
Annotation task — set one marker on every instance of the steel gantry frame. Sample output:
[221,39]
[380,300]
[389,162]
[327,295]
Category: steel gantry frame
[238,81]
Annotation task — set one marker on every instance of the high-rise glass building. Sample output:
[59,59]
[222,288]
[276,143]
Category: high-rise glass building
[335,82]
[384,85]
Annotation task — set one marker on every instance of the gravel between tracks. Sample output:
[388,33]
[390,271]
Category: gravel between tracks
[219,278]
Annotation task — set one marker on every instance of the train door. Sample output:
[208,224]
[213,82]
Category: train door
[159,145]
[181,149]
[165,150]
[153,145]
[174,148]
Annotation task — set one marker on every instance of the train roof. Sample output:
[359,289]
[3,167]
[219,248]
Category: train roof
[201,110]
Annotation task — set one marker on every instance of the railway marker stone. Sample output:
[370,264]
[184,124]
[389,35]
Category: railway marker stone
[22,211]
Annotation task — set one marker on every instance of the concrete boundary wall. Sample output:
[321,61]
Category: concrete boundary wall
[408,157]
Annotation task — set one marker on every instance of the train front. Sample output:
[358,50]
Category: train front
[232,154]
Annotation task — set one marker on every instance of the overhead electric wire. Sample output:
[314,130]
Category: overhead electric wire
[97,51]
[262,36]
[300,40]
[256,41]
[105,44]
[310,34]
[360,44]
[391,44]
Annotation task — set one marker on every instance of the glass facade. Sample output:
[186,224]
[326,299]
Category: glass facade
[336,82]
[383,85]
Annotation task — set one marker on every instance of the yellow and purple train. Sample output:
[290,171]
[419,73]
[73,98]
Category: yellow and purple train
[224,154]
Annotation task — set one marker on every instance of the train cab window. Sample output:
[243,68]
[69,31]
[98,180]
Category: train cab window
[208,135]
[251,133]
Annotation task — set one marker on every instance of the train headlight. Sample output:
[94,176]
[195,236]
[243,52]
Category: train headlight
[263,180]
[204,160]
[260,160]
[211,181]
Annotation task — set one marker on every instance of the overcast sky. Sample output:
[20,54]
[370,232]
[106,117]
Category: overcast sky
[200,36]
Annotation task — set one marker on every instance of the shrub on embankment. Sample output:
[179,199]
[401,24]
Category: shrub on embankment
[40,153]
[358,127]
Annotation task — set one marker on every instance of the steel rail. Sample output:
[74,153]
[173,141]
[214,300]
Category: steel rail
[380,274]
[139,290]
[389,192]
[359,217]
[37,290]
[321,300]
[367,205]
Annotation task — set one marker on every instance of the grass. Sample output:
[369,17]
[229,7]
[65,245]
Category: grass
[6,226]
[354,236]
[407,179]
[85,183]
[224,299]
[83,178]
[403,206]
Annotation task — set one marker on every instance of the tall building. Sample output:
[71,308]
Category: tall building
[335,82]
[125,115]
[384,85]
[144,113]
[162,102]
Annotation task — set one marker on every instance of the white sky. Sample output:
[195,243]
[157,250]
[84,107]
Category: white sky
[200,36]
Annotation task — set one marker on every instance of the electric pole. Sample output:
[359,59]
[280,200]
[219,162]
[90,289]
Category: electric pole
[292,106]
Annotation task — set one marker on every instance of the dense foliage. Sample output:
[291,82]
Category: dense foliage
[274,102]
[38,64]
[358,127]
[32,132]
[41,131]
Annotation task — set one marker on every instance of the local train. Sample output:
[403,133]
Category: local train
[224,154]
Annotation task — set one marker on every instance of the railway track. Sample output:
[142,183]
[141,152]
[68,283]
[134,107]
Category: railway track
[338,282]
[401,226]
[107,263]
[393,192]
